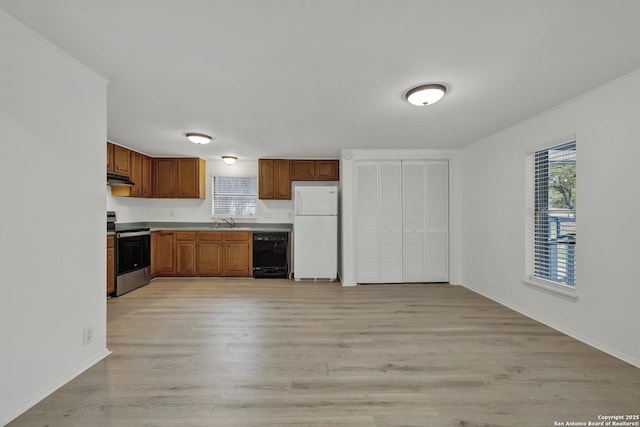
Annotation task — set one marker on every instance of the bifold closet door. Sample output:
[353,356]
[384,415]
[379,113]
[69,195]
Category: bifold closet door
[367,222]
[402,210]
[425,212]
[437,249]
[413,218]
[390,255]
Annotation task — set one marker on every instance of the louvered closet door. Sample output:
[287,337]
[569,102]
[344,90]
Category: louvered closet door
[413,213]
[390,184]
[367,224]
[437,259]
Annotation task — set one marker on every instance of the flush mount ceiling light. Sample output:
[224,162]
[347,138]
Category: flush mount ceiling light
[229,159]
[425,94]
[199,138]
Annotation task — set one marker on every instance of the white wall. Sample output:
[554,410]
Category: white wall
[131,209]
[52,134]
[347,264]
[606,124]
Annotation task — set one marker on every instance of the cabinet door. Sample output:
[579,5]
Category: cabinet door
[236,258]
[237,253]
[210,261]
[281,180]
[164,177]
[186,257]
[367,225]
[302,170]
[155,253]
[110,158]
[121,160]
[147,177]
[188,178]
[111,265]
[266,179]
[166,255]
[136,174]
[390,184]
[327,170]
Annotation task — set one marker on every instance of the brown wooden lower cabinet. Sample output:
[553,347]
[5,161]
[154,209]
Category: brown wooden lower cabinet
[111,265]
[204,253]
[186,253]
[210,249]
[238,253]
[165,253]
[155,253]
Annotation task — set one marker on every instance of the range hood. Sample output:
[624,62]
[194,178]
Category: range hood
[113,179]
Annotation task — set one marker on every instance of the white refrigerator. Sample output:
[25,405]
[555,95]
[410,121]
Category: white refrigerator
[315,233]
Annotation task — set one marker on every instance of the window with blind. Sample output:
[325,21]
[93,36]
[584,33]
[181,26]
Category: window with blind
[552,214]
[233,196]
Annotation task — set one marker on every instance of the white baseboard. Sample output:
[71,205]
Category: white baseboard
[27,404]
[560,328]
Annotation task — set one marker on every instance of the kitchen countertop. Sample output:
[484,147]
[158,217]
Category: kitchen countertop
[208,226]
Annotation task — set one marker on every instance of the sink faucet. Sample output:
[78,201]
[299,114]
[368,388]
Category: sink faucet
[230,222]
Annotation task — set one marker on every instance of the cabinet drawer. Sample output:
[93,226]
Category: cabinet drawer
[210,235]
[236,235]
[185,235]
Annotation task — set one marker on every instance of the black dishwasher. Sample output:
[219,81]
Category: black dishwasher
[270,255]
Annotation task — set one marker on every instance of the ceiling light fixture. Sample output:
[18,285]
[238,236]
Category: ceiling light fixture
[199,138]
[229,159]
[426,94]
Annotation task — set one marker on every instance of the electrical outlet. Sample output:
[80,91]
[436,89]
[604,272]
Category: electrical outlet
[87,335]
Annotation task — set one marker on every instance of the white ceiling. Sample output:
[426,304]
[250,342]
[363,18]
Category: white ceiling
[306,78]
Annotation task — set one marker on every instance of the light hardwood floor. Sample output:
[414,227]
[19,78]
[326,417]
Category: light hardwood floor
[248,353]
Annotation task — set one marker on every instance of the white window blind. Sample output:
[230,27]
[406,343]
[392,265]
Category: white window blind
[233,196]
[552,222]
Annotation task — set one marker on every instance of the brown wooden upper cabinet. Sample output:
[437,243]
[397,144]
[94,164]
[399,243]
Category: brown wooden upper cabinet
[121,161]
[110,157]
[179,178]
[140,166]
[327,170]
[276,175]
[136,174]
[302,170]
[161,177]
[164,177]
[118,159]
[314,170]
[274,182]
[191,178]
[147,177]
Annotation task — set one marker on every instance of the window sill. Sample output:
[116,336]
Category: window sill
[567,292]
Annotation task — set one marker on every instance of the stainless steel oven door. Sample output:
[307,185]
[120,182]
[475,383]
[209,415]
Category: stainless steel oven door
[134,251]
[133,260]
